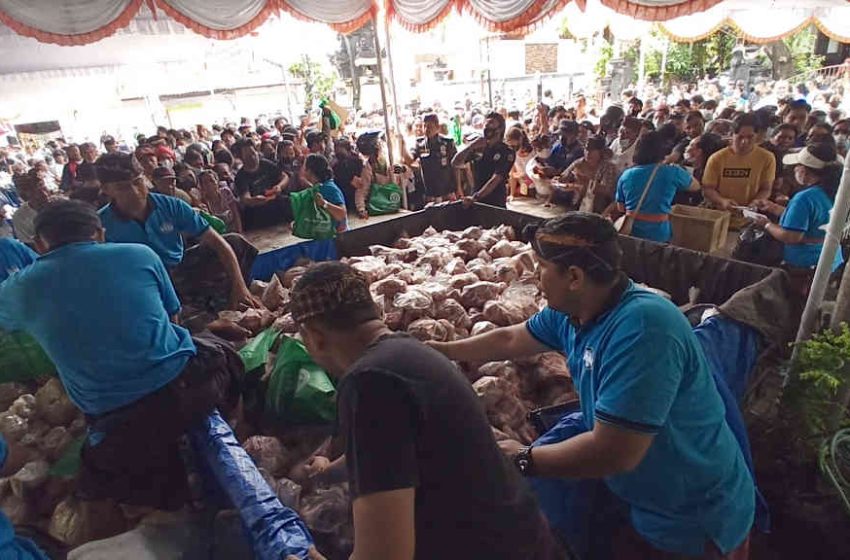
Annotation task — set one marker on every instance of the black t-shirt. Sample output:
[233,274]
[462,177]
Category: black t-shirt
[345,169]
[260,180]
[495,160]
[435,159]
[410,419]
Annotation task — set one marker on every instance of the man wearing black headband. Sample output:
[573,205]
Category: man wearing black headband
[425,474]
[102,312]
[212,275]
[656,424]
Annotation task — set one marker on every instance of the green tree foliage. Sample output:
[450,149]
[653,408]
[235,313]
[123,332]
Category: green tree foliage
[318,83]
[822,368]
[802,47]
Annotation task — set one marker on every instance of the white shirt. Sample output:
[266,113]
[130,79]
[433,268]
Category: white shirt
[622,157]
[24,222]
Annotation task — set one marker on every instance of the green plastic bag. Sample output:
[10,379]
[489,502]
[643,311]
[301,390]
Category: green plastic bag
[68,464]
[299,391]
[310,221]
[21,358]
[384,199]
[215,222]
[256,352]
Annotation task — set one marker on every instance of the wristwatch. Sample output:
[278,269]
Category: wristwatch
[524,462]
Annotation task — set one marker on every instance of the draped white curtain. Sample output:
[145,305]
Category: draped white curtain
[496,15]
[67,17]
[334,12]
[220,14]
[659,10]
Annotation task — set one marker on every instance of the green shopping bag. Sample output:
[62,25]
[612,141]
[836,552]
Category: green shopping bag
[255,353]
[68,464]
[21,358]
[384,199]
[214,221]
[310,221]
[299,391]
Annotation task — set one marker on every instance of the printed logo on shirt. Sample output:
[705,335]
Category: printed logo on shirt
[736,173]
[166,227]
[588,358]
[497,157]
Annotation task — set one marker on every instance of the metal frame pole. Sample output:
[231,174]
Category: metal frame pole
[383,94]
[395,101]
[831,245]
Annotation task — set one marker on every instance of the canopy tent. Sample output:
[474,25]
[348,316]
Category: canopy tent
[80,22]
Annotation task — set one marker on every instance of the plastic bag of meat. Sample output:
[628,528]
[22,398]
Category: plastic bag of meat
[53,404]
[257,288]
[228,330]
[504,408]
[403,256]
[394,320]
[381,250]
[30,478]
[503,313]
[327,513]
[412,276]
[435,258]
[484,256]
[482,327]
[431,329]
[524,263]
[291,276]
[507,232]
[429,232]
[505,270]
[267,453]
[373,268]
[502,370]
[488,239]
[454,312]
[455,266]
[389,287]
[75,522]
[18,510]
[286,324]
[472,232]
[502,249]
[468,249]
[452,236]
[55,442]
[13,427]
[414,303]
[9,392]
[275,296]
[436,289]
[24,406]
[476,295]
[288,492]
[486,272]
[460,281]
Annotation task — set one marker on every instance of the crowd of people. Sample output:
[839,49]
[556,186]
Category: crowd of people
[131,235]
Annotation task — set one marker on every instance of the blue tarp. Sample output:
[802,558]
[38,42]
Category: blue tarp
[266,264]
[275,531]
[584,512]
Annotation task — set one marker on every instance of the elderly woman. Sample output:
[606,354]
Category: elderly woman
[593,177]
[219,200]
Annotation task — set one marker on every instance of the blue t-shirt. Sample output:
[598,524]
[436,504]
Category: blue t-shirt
[669,180]
[808,212]
[333,194]
[563,156]
[639,366]
[14,256]
[162,231]
[101,312]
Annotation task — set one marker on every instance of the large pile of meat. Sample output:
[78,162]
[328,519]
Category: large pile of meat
[437,286]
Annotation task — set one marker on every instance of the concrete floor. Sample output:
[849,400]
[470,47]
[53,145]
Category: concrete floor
[269,239]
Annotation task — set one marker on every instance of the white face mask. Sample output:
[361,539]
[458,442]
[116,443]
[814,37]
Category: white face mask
[544,153]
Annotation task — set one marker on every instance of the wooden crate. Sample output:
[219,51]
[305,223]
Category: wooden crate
[699,229]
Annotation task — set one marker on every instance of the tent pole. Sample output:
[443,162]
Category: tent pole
[383,94]
[831,246]
[395,99]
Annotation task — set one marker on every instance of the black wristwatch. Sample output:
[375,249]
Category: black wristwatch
[524,462]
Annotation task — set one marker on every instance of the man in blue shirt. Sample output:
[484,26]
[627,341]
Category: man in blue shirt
[566,150]
[14,256]
[210,276]
[140,379]
[657,433]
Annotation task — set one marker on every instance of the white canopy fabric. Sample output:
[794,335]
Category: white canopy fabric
[763,21]
[509,16]
[78,22]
